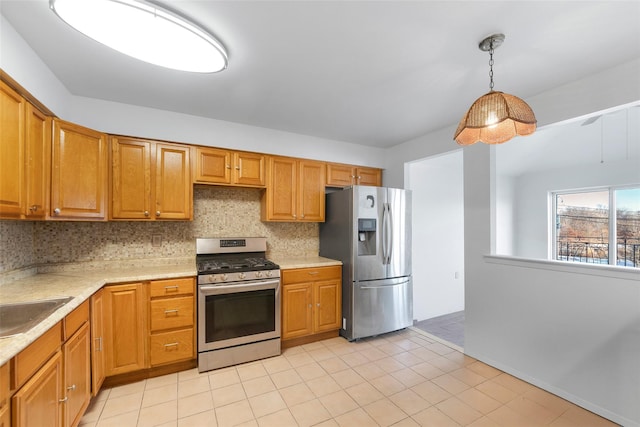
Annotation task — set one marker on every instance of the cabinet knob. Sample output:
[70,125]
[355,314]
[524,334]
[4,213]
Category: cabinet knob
[228,167]
[72,387]
[63,400]
[33,208]
[295,216]
[238,168]
[302,216]
[146,213]
[318,305]
[157,213]
[310,305]
[56,211]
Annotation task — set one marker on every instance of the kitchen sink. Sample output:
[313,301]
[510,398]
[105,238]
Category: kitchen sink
[20,317]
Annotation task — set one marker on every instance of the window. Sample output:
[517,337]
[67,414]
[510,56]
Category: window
[589,223]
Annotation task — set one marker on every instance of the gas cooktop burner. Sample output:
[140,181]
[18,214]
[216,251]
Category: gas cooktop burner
[218,265]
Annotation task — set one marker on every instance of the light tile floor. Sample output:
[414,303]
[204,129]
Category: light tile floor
[400,379]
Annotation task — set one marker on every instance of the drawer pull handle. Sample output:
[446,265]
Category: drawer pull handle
[99,346]
[172,288]
[72,388]
[173,344]
[313,273]
[174,311]
[63,400]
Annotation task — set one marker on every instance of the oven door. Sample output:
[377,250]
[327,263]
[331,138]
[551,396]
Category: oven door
[240,313]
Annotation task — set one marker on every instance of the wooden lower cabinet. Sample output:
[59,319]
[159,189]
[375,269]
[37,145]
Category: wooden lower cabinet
[172,320]
[311,302]
[40,401]
[77,374]
[5,407]
[98,360]
[125,328]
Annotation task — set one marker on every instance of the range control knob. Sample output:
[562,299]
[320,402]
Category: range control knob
[269,273]
[225,277]
[258,273]
[242,276]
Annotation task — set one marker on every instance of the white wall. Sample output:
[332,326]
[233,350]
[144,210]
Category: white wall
[438,235]
[24,66]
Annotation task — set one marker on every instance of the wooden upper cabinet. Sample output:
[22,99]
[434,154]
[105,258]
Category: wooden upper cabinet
[225,167]
[339,175]
[12,165]
[78,172]
[279,201]
[311,198]
[173,187]
[150,180]
[295,190]
[131,178]
[38,162]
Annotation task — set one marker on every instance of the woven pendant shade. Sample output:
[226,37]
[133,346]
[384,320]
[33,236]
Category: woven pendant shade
[494,118]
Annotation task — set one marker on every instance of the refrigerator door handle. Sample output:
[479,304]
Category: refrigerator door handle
[384,234]
[389,233]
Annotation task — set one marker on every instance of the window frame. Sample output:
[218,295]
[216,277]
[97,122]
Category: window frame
[613,217]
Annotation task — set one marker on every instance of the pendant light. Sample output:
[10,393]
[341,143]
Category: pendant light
[495,117]
[145,31]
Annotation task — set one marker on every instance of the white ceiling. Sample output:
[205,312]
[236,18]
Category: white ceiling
[376,73]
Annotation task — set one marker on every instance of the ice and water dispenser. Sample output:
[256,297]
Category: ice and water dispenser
[366,236]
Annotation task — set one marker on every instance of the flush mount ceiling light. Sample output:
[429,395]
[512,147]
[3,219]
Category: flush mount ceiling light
[145,31]
[495,117]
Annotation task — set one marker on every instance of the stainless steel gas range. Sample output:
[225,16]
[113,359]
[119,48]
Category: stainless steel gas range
[238,302]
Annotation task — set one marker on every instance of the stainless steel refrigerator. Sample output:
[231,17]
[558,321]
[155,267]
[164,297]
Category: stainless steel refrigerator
[369,230]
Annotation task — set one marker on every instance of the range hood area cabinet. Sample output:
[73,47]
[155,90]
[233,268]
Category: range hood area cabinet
[295,190]
[150,180]
[227,167]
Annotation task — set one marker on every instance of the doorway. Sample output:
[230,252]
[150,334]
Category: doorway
[438,245]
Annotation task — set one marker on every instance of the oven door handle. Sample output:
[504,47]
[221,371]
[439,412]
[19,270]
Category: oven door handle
[251,286]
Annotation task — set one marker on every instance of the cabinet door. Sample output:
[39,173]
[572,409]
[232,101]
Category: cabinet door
[280,198]
[131,179]
[12,107]
[311,198]
[327,300]
[39,402]
[296,310]
[5,413]
[369,176]
[173,187]
[213,166]
[97,342]
[125,327]
[340,175]
[249,169]
[77,373]
[38,162]
[78,172]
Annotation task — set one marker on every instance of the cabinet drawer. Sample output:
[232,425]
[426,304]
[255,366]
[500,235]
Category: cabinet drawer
[171,346]
[76,319]
[29,360]
[171,287]
[302,275]
[171,313]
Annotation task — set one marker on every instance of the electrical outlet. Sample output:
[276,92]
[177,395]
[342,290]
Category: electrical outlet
[156,240]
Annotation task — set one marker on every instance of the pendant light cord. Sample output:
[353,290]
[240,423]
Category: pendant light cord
[491,65]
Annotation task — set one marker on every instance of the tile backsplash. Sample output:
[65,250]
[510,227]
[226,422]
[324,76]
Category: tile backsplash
[218,212]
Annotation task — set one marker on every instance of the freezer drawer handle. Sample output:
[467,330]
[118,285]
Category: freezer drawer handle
[383,286]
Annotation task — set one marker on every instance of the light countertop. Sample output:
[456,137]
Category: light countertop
[82,284]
